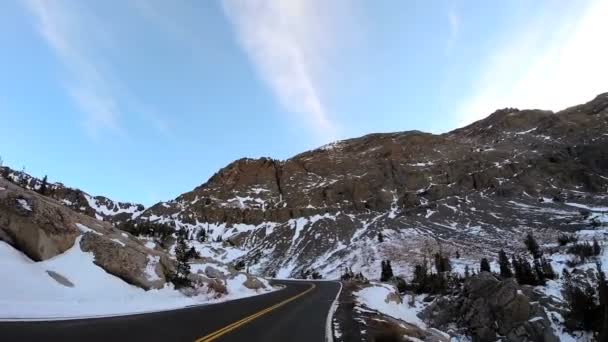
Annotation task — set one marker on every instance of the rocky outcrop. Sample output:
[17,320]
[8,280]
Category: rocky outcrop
[128,260]
[38,227]
[487,177]
[489,309]
[253,283]
[98,207]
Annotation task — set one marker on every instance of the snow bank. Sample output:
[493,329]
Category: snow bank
[29,292]
[374,297]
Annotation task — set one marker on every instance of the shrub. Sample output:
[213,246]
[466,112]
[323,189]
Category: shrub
[564,239]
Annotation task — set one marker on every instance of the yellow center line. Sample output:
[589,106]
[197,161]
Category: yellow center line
[231,327]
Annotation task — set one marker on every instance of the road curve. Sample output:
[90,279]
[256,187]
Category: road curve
[296,313]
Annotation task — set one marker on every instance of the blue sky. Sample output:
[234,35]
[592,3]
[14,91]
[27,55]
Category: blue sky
[144,100]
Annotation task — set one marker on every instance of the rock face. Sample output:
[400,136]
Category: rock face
[33,224]
[129,264]
[488,309]
[474,187]
[43,228]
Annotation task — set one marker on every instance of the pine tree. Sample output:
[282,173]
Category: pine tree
[505,265]
[420,278]
[467,274]
[380,237]
[533,246]
[484,265]
[524,273]
[182,269]
[457,255]
[442,263]
[389,269]
[201,236]
[43,188]
[597,250]
[540,275]
[602,290]
[547,269]
[516,268]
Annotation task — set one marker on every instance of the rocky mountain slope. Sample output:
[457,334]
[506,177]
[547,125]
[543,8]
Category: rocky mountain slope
[99,207]
[56,257]
[472,190]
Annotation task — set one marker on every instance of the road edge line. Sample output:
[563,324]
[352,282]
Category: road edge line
[329,330]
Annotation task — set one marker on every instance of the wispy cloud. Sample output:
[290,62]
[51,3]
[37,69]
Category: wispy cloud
[61,28]
[78,38]
[545,66]
[454,23]
[287,41]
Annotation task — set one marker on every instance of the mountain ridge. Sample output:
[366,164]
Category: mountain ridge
[472,188]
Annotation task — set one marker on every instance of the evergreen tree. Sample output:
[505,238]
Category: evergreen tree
[43,187]
[182,269]
[457,255]
[602,290]
[380,237]
[597,250]
[389,269]
[193,253]
[516,268]
[524,273]
[467,274]
[484,265]
[533,246]
[505,265]
[442,263]
[547,269]
[201,236]
[540,275]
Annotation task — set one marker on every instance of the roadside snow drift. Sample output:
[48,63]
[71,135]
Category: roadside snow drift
[70,286]
[376,297]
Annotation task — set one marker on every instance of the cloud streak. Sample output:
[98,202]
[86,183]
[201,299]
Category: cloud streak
[62,30]
[288,42]
[79,39]
[545,67]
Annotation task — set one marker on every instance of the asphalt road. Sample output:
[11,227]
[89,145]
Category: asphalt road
[300,316]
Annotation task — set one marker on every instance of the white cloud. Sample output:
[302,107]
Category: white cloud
[60,26]
[288,42]
[546,66]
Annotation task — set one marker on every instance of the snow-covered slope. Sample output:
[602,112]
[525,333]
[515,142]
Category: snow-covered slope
[57,263]
[71,285]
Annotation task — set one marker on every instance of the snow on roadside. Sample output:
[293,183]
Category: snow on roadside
[29,292]
[375,297]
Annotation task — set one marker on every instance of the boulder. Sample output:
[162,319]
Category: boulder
[212,272]
[37,226]
[487,308]
[128,261]
[253,283]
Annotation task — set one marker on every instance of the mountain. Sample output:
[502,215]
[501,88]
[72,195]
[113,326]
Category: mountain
[354,202]
[99,207]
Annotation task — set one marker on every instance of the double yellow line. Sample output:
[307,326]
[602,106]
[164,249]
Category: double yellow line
[231,327]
